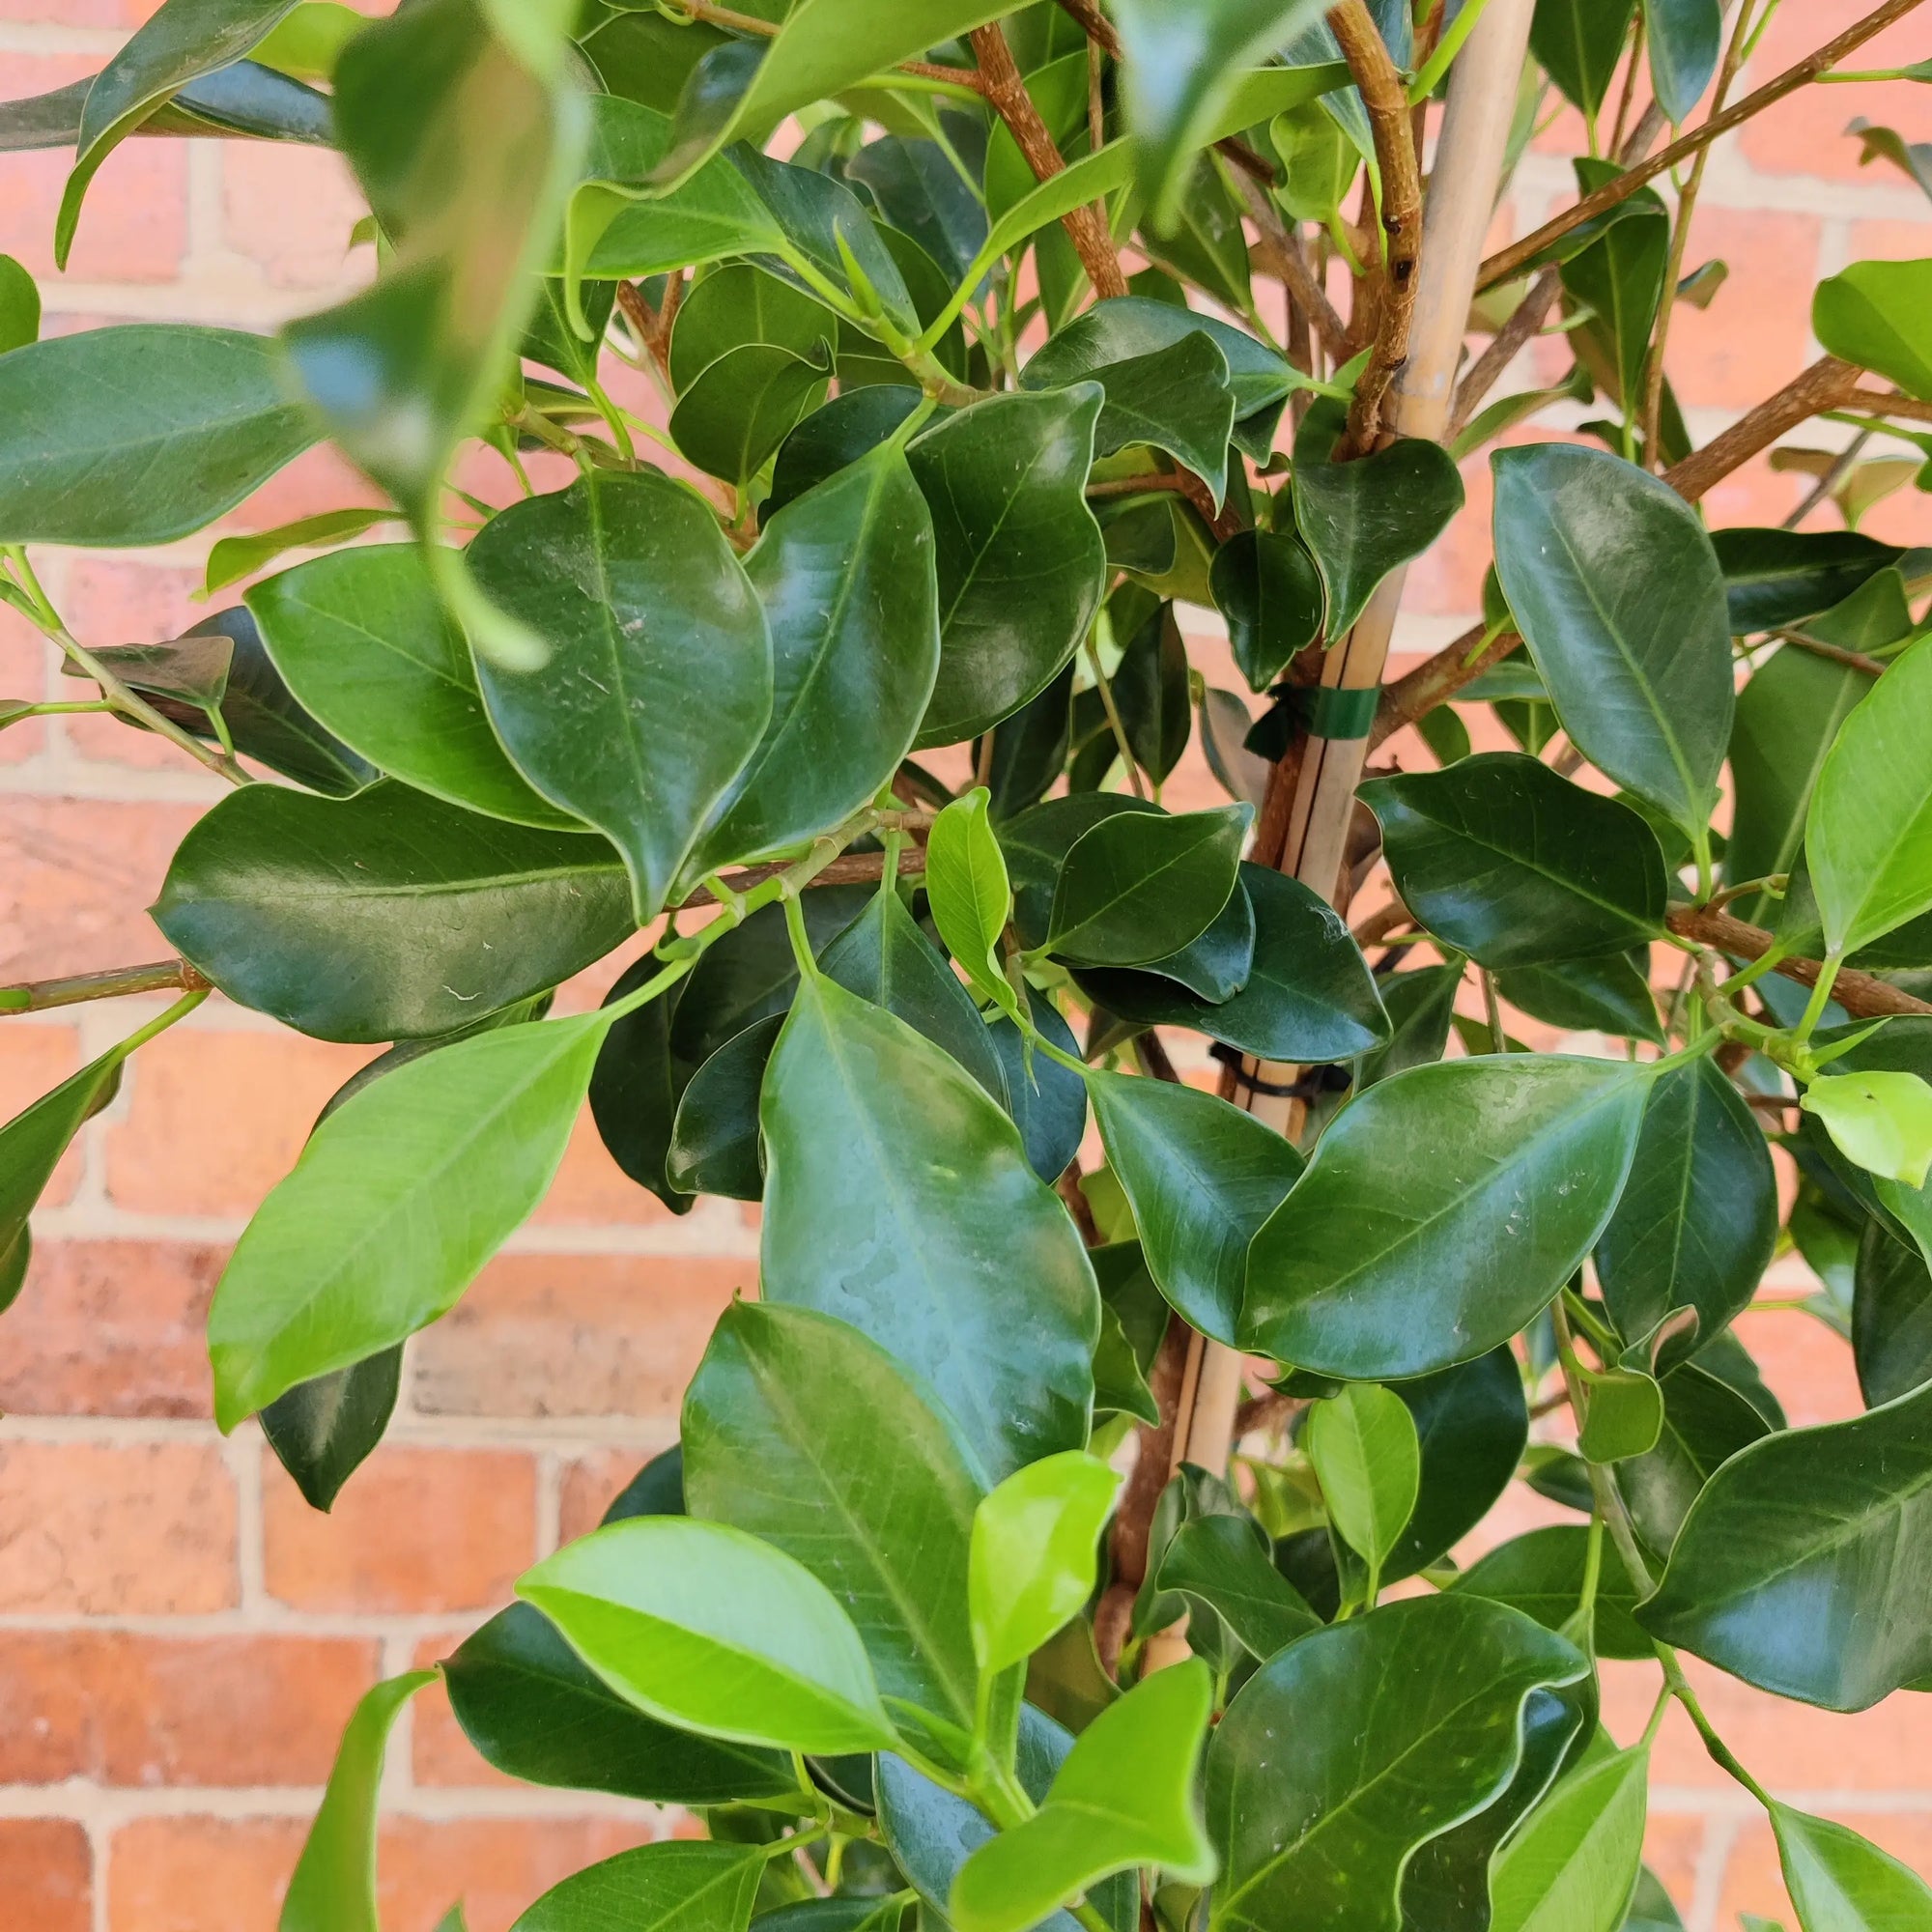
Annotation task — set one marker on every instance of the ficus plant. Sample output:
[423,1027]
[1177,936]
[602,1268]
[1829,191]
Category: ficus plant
[1070,1527]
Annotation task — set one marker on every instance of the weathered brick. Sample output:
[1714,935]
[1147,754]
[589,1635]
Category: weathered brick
[1754,337]
[1673,1845]
[177,1152]
[111,1328]
[199,1874]
[320,479]
[122,1709]
[419,1530]
[113,601]
[589,1482]
[23,674]
[291,210]
[116,1529]
[575,1335]
[46,1874]
[440,1755]
[590,1187]
[496,1866]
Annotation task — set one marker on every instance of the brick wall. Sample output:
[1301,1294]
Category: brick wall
[179,1637]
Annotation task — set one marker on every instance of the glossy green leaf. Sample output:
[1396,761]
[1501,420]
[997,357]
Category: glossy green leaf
[1400,1724]
[1842,1883]
[232,558]
[1367,1459]
[1510,1168]
[1609,994]
[1776,578]
[1124,1797]
[736,306]
[1705,1423]
[1019,555]
[120,438]
[1619,278]
[1309,996]
[1892,1317]
[1266,584]
[1575,1864]
[534,1711]
[670,1887]
[738,412]
[1037,841]
[180,41]
[363,642]
[1699,1219]
[1035,1554]
[1047,1100]
[1869,829]
[658,691]
[1362,521]
[966,882]
[845,577]
[703,1627]
[1874,315]
[33,1142]
[1804,1565]
[333,1886]
[1622,1414]
[1202,1177]
[638,1082]
[1215,963]
[1181,69]
[802,1432]
[19,306]
[1579,43]
[1419,1004]
[1150,694]
[1222,1562]
[1880,1122]
[1619,596]
[387,915]
[1514,865]
[398,1199]
[1135,887]
[322,1431]
[1471,1422]
[1541,1574]
[714,1145]
[898,1197]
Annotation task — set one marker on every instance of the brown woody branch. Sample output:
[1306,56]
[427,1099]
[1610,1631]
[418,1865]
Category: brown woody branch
[1861,994]
[1824,385]
[1438,679]
[1004,88]
[1511,261]
[1881,404]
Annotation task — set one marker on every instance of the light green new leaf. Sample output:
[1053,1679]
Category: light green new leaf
[120,438]
[1573,1865]
[1874,315]
[19,306]
[1368,1463]
[1623,1415]
[898,1197]
[364,642]
[972,901]
[399,1198]
[1124,1797]
[333,1886]
[706,1627]
[1619,595]
[658,689]
[1034,1554]
[845,576]
[1806,1565]
[670,1887]
[232,558]
[1842,1883]
[1883,1121]
[1443,1209]
[801,1430]
[1868,830]
[180,42]
[1202,1177]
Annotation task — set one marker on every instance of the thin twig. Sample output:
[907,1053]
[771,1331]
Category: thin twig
[1840,467]
[1861,994]
[1281,254]
[1510,261]
[1819,649]
[1882,403]
[164,976]
[1438,679]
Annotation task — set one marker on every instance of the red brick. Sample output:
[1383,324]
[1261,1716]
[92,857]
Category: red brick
[320,479]
[498,1868]
[46,1874]
[415,1530]
[193,1874]
[124,1710]
[111,1328]
[575,1335]
[110,601]
[292,210]
[215,1118]
[110,1529]
[23,674]
[34,1060]
[1673,1845]
[1808,1366]
[1755,336]
[1753,1882]
[441,1756]
[589,1484]
[76,877]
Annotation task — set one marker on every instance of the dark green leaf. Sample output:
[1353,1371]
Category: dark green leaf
[1221,1561]
[119,438]
[1775,578]
[1404,1723]
[387,915]
[1471,1422]
[1035,844]
[536,1712]
[32,1144]
[1019,555]
[1267,587]
[19,1254]
[1419,1004]
[714,1137]
[1048,1101]
[736,306]
[656,1489]
[1365,518]
[1370,1271]
[1030,748]
[364,642]
[1610,995]
[638,1083]
[1892,1317]
[1136,888]
[738,412]
[1542,1574]
[845,576]
[659,644]
[1216,962]
[1579,43]
[1805,1566]
[1202,1177]
[898,1197]
[322,1431]
[1619,277]
[919,190]
[802,1432]
[830,437]
[671,1887]
[1684,37]
[1705,1423]
[1150,694]
[1516,866]
[1620,598]
[1874,315]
